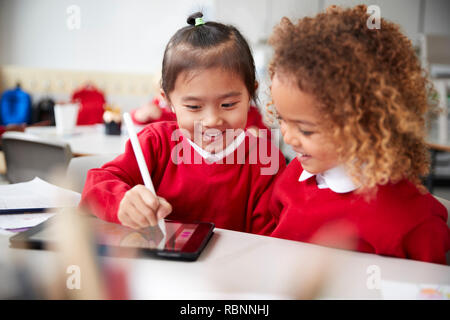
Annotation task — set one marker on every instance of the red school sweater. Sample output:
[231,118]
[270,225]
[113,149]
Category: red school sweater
[232,196]
[166,114]
[399,221]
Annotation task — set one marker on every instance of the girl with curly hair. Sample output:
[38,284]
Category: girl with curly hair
[351,102]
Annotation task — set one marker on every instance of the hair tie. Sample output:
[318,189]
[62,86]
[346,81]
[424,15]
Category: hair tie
[199,21]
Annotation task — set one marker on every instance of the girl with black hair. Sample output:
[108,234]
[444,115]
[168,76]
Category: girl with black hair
[204,165]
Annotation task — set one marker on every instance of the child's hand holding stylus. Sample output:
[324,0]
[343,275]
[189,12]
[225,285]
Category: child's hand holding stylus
[140,206]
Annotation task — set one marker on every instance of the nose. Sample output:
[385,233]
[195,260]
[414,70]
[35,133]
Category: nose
[212,119]
[289,136]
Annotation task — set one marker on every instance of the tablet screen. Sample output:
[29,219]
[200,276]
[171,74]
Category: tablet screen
[110,234]
[177,235]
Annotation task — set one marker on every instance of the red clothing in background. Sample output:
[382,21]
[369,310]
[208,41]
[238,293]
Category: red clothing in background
[91,102]
[399,221]
[233,196]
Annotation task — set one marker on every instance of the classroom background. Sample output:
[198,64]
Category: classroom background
[55,48]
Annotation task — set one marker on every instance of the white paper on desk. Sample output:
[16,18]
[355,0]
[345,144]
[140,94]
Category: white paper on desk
[36,193]
[26,220]
[6,232]
[394,290]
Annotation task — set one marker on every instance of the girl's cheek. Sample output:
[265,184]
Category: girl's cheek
[239,120]
[283,129]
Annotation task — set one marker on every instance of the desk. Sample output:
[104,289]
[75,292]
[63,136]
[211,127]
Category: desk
[87,140]
[238,265]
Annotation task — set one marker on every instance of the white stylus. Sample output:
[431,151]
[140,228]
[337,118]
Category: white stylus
[141,162]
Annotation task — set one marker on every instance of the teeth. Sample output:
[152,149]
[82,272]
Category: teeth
[213,134]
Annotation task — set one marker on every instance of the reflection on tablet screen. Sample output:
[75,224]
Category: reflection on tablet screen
[177,235]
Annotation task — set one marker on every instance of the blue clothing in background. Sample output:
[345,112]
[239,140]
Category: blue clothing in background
[15,107]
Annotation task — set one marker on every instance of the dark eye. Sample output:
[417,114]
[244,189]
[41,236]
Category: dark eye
[306,133]
[193,107]
[228,105]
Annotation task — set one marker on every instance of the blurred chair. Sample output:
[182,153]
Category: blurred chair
[79,166]
[28,156]
[20,128]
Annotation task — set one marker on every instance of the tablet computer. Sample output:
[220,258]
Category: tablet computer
[183,241]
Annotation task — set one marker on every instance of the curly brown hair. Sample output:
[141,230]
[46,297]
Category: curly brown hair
[371,89]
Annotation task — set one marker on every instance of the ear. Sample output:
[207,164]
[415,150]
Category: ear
[166,99]
[253,102]
[163,94]
[256,88]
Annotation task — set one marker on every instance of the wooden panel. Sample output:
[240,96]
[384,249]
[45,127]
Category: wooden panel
[51,81]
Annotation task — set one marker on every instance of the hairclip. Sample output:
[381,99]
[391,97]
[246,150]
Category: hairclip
[199,21]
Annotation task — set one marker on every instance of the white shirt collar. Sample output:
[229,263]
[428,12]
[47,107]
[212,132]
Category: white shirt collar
[214,157]
[335,178]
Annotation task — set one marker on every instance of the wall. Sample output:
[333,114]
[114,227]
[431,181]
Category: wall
[129,36]
[114,35]
[257,18]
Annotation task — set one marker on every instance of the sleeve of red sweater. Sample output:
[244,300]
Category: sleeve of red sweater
[430,240]
[254,118]
[165,116]
[261,219]
[106,186]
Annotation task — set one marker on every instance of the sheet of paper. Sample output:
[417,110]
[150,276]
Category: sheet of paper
[393,290]
[26,220]
[36,193]
[6,233]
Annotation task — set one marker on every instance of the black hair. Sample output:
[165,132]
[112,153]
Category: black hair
[206,46]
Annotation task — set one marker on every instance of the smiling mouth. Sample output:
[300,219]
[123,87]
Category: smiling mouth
[212,136]
[303,156]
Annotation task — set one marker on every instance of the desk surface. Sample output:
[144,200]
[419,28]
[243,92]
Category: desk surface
[238,265]
[86,140]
